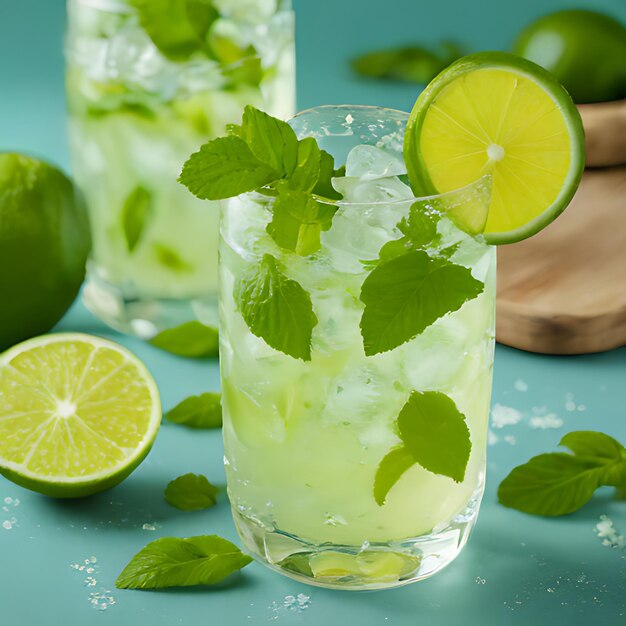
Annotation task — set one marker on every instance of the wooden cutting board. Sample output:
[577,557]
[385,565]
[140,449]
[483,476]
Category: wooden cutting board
[563,291]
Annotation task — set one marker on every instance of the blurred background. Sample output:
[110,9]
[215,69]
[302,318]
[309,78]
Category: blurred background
[329,34]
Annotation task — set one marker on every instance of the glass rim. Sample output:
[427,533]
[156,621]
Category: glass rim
[111,6]
[482,180]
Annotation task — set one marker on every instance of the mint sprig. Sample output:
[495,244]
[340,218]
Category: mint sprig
[276,309]
[264,154]
[174,562]
[434,434]
[559,483]
[191,492]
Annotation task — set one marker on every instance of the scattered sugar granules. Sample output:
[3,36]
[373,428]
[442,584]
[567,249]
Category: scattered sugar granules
[606,531]
[9,504]
[550,420]
[101,599]
[502,416]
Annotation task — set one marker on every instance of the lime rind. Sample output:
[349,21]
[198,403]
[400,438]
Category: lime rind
[417,169]
[61,486]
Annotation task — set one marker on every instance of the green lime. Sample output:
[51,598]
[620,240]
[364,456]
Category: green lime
[497,114]
[77,414]
[585,50]
[44,243]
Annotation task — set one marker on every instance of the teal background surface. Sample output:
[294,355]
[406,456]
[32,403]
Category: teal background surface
[516,569]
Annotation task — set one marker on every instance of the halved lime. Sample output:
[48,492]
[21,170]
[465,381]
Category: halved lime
[77,414]
[496,113]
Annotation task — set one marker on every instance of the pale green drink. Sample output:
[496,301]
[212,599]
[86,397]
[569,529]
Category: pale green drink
[139,104]
[305,437]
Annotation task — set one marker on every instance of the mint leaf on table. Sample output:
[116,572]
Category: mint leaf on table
[226,167]
[559,483]
[178,28]
[298,220]
[191,339]
[415,64]
[174,562]
[276,309]
[434,434]
[137,212]
[406,294]
[201,412]
[191,492]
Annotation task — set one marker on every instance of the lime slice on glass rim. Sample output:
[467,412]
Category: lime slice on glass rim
[494,113]
[77,414]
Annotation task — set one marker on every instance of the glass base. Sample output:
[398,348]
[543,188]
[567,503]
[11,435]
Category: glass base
[141,316]
[369,566]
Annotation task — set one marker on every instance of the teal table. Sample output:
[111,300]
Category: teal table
[516,569]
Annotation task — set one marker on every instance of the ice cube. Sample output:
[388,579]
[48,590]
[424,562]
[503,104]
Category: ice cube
[369,163]
[357,190]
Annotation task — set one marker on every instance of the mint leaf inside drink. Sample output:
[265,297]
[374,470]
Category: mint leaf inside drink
[277,309]
[174,562]
[191,492]
[434,434]
[298,220]
[178,28]
[559,483]
[136,215]
[407,294]
[390,470]
[200,412]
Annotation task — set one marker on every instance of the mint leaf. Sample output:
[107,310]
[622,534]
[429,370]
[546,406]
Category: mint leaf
[407,294]
[324,186]
[560,483]
[276,309]
[225,167]
[420,226]
[191,492]
[248,71]
[174,562]
[434,434]
[178,28]
[272,141]
[408,63]
[201,412]
[170,258]
[191,339]
[434,431]
[391,468]
[137,212]
[307,170]
[298,220]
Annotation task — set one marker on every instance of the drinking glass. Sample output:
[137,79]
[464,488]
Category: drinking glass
[309,441]
[139,104]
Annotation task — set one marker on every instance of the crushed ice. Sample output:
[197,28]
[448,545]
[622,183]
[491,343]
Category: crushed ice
[502,416]
[9,505]
[290,603]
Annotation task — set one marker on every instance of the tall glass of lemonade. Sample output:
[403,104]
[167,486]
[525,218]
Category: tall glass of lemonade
[147,83]
[355,432]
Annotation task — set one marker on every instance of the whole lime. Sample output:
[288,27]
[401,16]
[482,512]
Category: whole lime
[585,50]
[44,244]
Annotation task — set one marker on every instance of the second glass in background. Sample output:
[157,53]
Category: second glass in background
[144,91]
